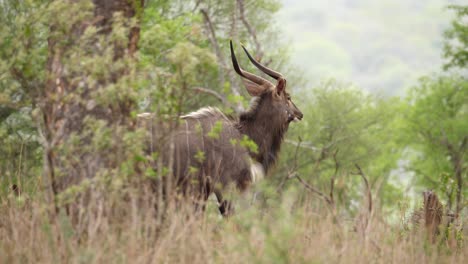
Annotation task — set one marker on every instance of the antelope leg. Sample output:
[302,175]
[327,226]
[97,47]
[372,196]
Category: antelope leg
[225,207]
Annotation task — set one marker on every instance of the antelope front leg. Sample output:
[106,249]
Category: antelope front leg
[225,207]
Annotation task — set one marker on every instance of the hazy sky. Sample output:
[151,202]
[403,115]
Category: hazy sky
[382,46]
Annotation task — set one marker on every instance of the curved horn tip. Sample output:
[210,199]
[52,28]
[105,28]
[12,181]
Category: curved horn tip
[263,68]
[244,48]
[235,64]
[248,53]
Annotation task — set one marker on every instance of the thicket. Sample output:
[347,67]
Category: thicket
[75,181]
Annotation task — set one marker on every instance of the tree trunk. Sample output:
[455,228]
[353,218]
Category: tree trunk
[459,179]
[67,98]
[456,155]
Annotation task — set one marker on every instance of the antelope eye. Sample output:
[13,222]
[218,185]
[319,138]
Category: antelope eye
[289,97]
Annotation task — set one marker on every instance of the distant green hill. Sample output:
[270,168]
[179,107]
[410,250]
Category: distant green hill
[382,46]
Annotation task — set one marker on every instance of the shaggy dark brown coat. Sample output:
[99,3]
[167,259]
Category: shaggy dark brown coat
[212,151]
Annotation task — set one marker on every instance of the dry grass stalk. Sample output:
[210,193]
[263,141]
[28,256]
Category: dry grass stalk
[127,231]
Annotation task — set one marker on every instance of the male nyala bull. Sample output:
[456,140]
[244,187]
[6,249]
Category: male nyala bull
[210,150]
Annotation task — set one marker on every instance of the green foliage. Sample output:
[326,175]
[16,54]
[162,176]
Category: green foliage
[20,150]
[200,156]
[436,130]
[23,53]
[456,43]
[245,142]
[342,127]
[215,130]
[249,144]
[175,56]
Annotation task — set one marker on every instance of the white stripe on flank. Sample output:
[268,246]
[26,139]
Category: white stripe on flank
[203,112]
[145,115]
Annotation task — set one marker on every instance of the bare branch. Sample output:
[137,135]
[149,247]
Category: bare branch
[60,132]
[445,142]
[292,172]
[306,145]
[223,68]
[212,37]
[366,182]
[218,96]
[362,224]
[332,180]
[197,3]
[251,30]
[315,190]
[463,144]
[295,153]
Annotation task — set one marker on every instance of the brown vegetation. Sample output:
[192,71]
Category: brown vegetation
[437,224]
[288,232]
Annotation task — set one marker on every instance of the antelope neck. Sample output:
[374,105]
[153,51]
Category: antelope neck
[266,134]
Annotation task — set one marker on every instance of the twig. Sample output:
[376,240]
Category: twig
[292,172]
[366,182]
[218,96]
[251,30]
[332,180]
[223,68]
[323,154]
[314,190]
[197,3]
[60,132]
[295,153]
[363,224]
[48,173]
[212,37]
[306,145]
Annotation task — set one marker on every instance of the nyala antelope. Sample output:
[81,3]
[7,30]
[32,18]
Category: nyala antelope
[205,161]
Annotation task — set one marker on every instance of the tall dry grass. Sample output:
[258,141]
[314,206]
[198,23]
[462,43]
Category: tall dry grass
[286,231]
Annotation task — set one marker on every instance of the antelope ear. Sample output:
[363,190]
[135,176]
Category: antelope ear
[281,86]
[252,88]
